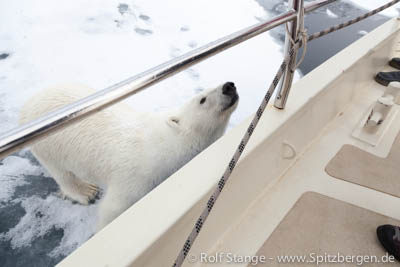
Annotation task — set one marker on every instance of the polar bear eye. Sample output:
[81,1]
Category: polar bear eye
[203,100]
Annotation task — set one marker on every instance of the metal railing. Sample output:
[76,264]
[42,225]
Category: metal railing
[39,128]
[287,79]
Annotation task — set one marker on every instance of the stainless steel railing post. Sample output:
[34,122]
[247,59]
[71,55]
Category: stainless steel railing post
[287,79]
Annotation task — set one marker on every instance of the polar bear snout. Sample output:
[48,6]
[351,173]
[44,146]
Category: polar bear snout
[229,90]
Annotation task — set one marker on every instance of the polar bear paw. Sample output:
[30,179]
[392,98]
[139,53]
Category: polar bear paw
[85,193]
[89,193]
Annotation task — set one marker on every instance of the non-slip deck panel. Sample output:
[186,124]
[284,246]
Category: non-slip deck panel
[360,167]
[320,224]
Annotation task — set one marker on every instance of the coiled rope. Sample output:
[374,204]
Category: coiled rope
[228,171]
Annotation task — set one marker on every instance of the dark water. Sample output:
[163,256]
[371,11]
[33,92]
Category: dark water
[11,212]
[321,49]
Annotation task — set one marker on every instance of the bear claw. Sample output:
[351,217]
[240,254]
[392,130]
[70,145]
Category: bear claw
[87,194]
[91,192]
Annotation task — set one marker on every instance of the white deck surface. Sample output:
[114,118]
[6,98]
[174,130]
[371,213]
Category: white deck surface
[308,174]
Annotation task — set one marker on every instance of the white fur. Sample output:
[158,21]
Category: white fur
[126,152]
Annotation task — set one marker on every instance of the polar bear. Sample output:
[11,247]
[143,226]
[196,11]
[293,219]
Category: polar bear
[127,153]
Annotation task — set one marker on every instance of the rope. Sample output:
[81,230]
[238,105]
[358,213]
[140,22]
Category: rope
[303,34]
[288,33]
[228,171]
[350,22]
[304,39]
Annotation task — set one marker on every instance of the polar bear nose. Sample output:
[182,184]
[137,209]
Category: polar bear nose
[229,89]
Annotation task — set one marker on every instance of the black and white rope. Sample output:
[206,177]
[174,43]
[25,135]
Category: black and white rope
[350,22]
[221,183]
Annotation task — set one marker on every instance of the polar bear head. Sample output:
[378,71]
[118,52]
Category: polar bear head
[204,118]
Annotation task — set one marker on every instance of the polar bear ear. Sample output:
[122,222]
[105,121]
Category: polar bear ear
[174,122]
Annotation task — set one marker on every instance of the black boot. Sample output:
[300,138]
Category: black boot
[395,63]
[389,236]
[385,78]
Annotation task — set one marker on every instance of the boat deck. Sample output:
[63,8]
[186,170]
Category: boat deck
[352,209]
[318,226]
